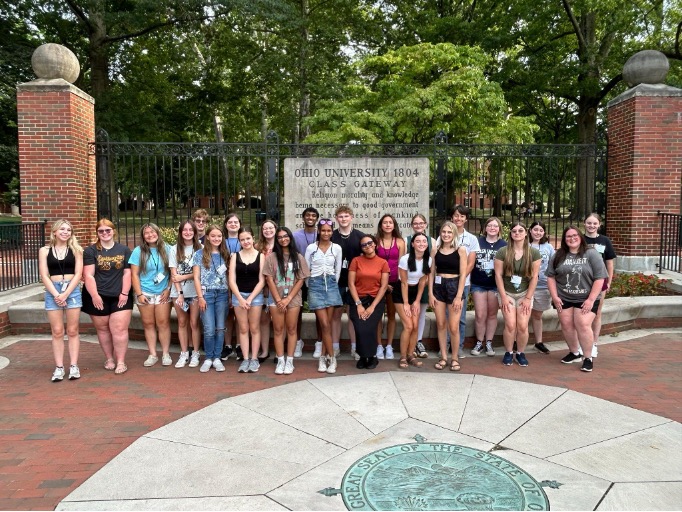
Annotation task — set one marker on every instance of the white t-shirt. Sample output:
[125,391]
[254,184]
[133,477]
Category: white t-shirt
[414,277]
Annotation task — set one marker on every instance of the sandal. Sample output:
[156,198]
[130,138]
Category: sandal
[121,368]
[454,366]
[109,364]
[402,363]
[414,362]
[440,365]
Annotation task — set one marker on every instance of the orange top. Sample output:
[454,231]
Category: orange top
[368,274]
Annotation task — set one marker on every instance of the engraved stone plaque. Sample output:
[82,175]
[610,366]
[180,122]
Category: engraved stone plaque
[439,476]
[370,186]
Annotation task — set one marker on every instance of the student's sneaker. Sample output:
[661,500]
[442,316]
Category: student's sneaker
[540,347]
[595,351]
[460,353]
[194,360]
[289,366]
[226,352]
[298,352]
[489,351]
[389,352]
[239,353]
[322,365]
[279,370]
[571,358]
[218,365]
[151,361]
[380,352]
[166,360]
[337,351]
[182,360]
[420,350]
[208,363]
[476,351]
[318,350]
[244,367]
[74,372]
[58,374]
[331,365]
[521,359]
[587,365]
[354,354]
[254,365]
[508,358]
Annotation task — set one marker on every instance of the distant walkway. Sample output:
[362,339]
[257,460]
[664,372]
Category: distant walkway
[55,436]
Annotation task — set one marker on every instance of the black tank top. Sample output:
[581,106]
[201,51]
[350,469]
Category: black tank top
[61,267]
[447,263]
[247,274]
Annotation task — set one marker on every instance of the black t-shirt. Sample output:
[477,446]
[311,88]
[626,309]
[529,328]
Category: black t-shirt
[109,267]
[483,274]
[602,245]
[350,248]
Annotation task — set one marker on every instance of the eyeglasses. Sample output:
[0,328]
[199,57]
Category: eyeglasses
[367,244]
[518,230]
[283,237]
[328,222]
[419,223]
[200,221]
[103,231]
[571,237]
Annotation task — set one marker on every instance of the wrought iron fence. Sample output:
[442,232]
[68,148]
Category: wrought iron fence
[165,182]
[670,249]
[19,245]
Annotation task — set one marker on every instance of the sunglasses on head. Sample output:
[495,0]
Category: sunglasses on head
[328,222]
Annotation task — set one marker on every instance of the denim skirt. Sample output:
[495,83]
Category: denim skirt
[323,292]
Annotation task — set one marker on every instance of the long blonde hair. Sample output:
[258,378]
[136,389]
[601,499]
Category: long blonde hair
[451,225]
[508,266]
[71,243]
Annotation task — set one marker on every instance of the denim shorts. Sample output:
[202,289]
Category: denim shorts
[75,299]
[446,291]
[323,292]
[480,289]
[257,301]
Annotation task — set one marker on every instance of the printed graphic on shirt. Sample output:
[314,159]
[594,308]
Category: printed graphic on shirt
[109,262]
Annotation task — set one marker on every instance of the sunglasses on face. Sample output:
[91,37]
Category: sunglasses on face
[103,231]
[327,222]
[518,230]
[367,244]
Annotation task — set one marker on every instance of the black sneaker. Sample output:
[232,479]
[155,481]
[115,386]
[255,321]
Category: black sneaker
[372,363]
[361,364]
[240,354]
[587,365]
[226,353]
[540,347]
[571,358]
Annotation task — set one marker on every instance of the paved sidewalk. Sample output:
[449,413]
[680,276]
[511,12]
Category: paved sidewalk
[53,437]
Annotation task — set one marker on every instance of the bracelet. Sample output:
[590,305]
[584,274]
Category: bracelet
[180,292]
[140,295]
[124,294]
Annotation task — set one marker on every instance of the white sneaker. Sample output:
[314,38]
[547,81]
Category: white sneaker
[166,360]
[337,351]
[380,352]
[254,365]
[58,374]
[151,361]
[489,351]
[208,363]
[389,352]
[194,360]
[331,367]
[182,360]
[280,366]
[318,350]
[244,367]
[298,352]
[289,366]
[322,366]
[476,351]
[218,365]
[74,372]
[595,351]
[355,355]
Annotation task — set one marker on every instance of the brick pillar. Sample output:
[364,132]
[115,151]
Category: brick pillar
[645,170]
[56,122]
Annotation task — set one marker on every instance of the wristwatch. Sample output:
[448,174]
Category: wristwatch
[358,302]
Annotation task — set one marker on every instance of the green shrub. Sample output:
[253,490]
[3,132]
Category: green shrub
[169,235]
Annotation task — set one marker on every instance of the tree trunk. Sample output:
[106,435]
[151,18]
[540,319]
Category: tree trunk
[304,91]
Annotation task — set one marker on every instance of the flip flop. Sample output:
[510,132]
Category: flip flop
[109,365]
[121,368]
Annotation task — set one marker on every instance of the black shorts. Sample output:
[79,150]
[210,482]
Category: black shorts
[110,304]
[569,305]
[446,291]
[304,292]
[346,297]
[397,294]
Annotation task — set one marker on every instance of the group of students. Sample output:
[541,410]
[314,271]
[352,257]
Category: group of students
[231,280]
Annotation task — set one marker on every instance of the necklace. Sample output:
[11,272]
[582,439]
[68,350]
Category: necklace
[308,242]
[383,246]
[345,237]
[60,254]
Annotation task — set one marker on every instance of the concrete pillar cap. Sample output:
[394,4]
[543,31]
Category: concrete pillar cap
[646,67]
[51,61]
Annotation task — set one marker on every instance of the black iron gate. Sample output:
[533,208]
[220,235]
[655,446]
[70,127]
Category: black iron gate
[165,182]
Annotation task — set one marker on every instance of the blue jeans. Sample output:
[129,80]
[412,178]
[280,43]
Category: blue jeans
[214,321]
[462,317]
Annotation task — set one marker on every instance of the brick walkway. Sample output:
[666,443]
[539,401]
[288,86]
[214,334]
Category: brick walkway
[54,436]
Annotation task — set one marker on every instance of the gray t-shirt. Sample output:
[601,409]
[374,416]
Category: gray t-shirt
[576,275]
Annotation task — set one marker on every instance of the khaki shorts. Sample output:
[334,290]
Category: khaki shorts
[516,297]
[542,300]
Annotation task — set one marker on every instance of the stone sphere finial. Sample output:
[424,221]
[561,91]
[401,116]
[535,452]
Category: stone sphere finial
[646,67]
[52,61]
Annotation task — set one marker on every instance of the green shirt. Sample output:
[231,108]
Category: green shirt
[517,283]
